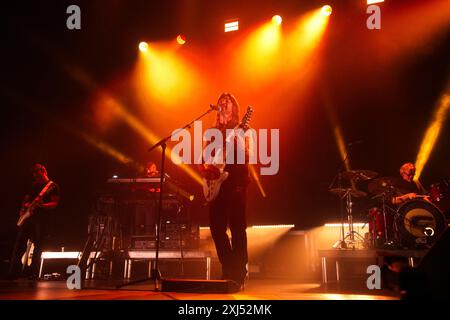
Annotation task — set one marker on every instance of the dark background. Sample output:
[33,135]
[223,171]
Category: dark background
[385,98]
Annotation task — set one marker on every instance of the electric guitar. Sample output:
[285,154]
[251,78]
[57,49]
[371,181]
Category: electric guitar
[27,211]
[214,173]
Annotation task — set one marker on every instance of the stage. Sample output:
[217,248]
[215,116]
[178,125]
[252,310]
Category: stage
[256,290]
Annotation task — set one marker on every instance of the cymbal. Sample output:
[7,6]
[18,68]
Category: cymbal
[382,185]
[353,192]
[359,175]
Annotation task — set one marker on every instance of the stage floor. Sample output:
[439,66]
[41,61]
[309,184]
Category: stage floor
[255,290]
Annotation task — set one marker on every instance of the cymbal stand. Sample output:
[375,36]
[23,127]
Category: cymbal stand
[340,244]
[394,240]
[386,234]
[351,234]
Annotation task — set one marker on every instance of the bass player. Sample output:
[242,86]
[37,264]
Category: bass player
[33,223]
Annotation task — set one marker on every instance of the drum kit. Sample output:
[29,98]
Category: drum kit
[414,224]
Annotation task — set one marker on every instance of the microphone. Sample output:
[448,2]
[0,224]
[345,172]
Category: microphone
[216,108]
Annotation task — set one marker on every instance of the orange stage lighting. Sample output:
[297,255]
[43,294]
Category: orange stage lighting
[166,77]
[431,23]
[277,20]
[110,151]
[111,103]
[181,39]
[117,108]
[304,39]
[327,10]
[432,134]
[338,134]
[257,56]
[143,46]
[257,180]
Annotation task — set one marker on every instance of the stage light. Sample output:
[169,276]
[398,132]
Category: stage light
[118,109]
[259,49]
[143,46]
[110,151]
[277,20]
[338,133]
[115,107]
[432,134]
[181,39]
[257,180]
[165,76]
[308,34]
[275,226]
[231,25]
[338,225]
[369,2]
[327,10]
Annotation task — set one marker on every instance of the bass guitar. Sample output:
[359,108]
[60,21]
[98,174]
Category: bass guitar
[27,209]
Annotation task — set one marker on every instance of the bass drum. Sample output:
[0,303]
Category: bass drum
[419,223]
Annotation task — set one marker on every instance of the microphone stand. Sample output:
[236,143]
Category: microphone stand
[155,273]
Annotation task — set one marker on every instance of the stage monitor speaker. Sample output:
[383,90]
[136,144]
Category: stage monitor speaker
[436,267]
[199,286]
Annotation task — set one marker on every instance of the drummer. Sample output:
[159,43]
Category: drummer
[408,188]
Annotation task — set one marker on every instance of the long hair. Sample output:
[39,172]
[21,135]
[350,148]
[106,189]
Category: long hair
[235,116]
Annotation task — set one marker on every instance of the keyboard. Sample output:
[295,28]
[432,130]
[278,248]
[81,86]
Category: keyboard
[135,180]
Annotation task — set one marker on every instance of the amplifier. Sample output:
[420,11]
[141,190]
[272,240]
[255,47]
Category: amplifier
[175,244]
[150,244]
[137,218]
[143,243]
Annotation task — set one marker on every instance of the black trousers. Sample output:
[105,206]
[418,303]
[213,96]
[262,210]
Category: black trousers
[228,209]
[34,229]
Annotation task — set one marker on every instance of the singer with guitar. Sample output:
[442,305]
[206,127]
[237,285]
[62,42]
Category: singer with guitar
[33,221]
[228,206]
